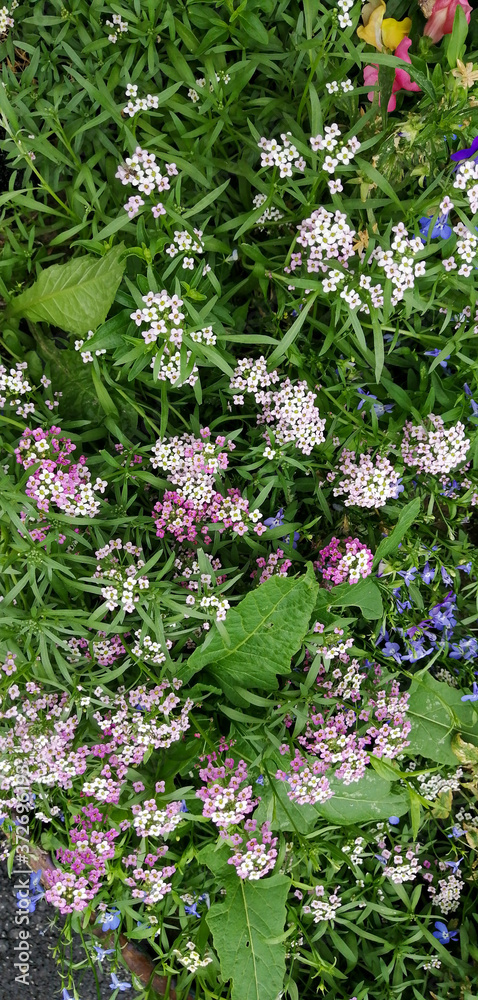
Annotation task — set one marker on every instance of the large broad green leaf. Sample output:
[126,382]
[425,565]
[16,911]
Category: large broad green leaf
[391,542]
[436,711]
[264,632]
[364,595]
[76,296]
[246,928]
[368,799]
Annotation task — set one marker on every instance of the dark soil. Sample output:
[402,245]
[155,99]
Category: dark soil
[43,981]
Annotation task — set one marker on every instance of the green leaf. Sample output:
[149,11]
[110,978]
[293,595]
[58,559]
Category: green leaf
[455,42]
[76,296]
[264,630]
[364,594]
[370,798]
[245,930]
[391,542]
[436,711]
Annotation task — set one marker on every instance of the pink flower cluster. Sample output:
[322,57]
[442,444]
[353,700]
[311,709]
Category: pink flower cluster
[368,482]
[57,480]
[259,857]
[326,236]
[435,450]
[323,907]
[150,885]
[227,799]
[105,650]
[338,566]
[274,565]
[185,518]
[150,820]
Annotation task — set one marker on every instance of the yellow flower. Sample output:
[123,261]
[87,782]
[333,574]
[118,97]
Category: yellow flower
[380,31]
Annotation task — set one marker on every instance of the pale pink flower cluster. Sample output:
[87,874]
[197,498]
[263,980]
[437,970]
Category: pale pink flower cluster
[149,649]
[106,650]
[58,480]
[151,820]
[285,156]
[184,242]
[163,315]
[323,907]
[187,519]
[338,566]
[326,236]
[126,585]
[289,410]
[251,376]
[141,171]
[307,786]
[274,565]
[150,885]
[259,857]
[86,356]
[368,482]
[67,891]
[447,898]
[466,179]
[400,867]
[435,450]
[192,464]
[227,799]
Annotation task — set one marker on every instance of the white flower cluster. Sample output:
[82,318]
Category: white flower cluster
[344,155]
[192,464]
[345,21]
[192,960]
[183,241]
[251,376]
[285,157]
[447,899]
[323,908]
[86,356]
[290,409]
[139,103]
[6,21]
[368,483]
[152,821]
[355,850]
[13,383]
[211,601]
[221,77]
[397,869]
[126,585]
[270,214]
[147,649]
[119,26]
[333,86]
[141,171]
[432,785]
[163,315]
[435,451]
[468,172]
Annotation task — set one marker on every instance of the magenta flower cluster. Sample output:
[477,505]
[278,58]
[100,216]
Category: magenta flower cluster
[345,560]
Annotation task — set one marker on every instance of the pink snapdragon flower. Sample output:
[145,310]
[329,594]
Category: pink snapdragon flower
[402,79]
[441,19]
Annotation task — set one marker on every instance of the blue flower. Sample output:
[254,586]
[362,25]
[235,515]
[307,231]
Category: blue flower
[116,985]
[205,899]
[394,820]
[408,574]
[434,354]
[442,934]
[32,900]
[428,573]
[399,489]
[466,567]
[466,648]
[474,695]
[446,576]
[275,522]
[191,911]
[467,389]
[65,995]
[417,651]
[110,920]
[184,808]
[380,408]
[260,780]
[440,229]
[392,649]
[456,831]
[466,154]
[454,865]
[101,952]
[35,880]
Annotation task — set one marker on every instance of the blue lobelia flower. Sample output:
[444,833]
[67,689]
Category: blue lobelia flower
[466,648]
[65,995]
[408,574]
[466,154]
[110,920]
[441,230]
[275,522]
[473,696]
[434,354]
[116,985]
[442,934]
[394,820]
[101,952]
[466,567]
[392,649]
[446,576]
[191,911]
[428,573]
[454,865]
[35,881]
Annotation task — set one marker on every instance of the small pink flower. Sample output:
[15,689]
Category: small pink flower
[441,19]
[402,79]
